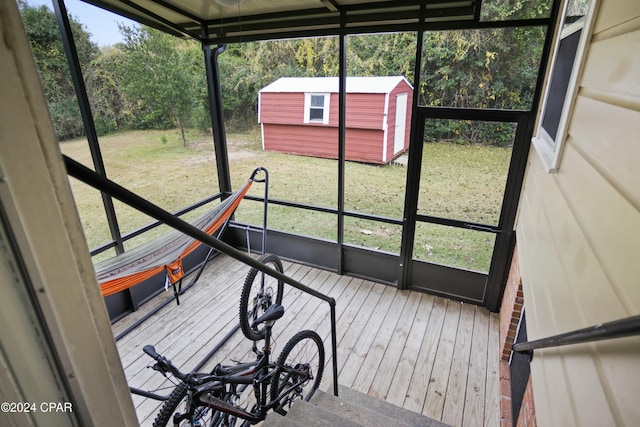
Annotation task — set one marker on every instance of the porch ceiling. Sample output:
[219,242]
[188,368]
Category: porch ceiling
[222,21]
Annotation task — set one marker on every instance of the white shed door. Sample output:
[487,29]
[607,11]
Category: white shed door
[401,120]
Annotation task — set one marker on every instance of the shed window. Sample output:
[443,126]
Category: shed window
[563,81]
[316,108]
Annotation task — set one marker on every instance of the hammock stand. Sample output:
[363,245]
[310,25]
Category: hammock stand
[165,254]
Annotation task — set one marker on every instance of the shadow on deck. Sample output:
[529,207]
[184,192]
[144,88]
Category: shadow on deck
[428,354]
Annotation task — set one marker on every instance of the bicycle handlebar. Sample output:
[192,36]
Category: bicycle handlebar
[164,365]
[223,373]
[151,351]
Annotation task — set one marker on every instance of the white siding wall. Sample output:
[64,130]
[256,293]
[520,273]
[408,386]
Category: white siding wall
[579,237]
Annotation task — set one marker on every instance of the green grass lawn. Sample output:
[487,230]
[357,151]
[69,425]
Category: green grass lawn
[457,181]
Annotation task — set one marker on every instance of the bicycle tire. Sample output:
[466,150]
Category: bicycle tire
[168,409]
[257,296]
[309,350]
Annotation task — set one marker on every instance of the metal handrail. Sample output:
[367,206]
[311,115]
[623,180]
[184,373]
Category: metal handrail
[603,331]
[99,182]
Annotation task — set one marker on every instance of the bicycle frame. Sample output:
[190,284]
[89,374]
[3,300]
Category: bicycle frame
[257,373]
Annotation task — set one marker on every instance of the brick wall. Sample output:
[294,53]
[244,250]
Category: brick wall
[527,416]
[505,395]
[510,312]
[511,308]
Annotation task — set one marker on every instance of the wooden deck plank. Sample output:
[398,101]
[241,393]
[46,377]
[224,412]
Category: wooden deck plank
[365,336]
[221,264]
[185,323]
[386,371]
[475,391]
[407,364]
[439,380]
[370,365]
[347,316]
[419,382]
[392,344]
[227,285]
[456,388]
[492,395]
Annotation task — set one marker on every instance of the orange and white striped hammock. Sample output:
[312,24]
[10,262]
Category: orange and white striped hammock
[164,253]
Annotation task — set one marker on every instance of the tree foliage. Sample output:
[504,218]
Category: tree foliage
[154,80]
[161,77]
[44,35]
[485,68]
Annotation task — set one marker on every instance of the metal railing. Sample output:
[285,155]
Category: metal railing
[616,329]
[101,183]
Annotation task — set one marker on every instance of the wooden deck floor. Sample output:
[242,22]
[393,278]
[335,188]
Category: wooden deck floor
[428,354]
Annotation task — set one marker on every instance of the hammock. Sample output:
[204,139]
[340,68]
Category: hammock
[164,253]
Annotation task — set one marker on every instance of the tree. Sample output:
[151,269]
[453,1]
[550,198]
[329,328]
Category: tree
[487,68]
[46,44]
[162,78]
[382,55]
[108,105]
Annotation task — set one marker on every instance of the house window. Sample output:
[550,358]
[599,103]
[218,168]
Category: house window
[562,81]
[316,108]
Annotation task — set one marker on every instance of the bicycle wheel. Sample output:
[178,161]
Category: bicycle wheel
[178,403]
[301,362]
[258,293]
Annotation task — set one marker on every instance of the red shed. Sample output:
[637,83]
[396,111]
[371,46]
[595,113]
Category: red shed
[299,115]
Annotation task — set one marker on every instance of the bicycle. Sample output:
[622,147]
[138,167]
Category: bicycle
[223,396]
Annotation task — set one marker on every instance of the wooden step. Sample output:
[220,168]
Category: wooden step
[351,409]
[353,412]
[387,409]
[276,420]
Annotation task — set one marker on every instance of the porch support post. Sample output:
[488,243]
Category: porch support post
[217,115]
[342,115]
[87,118]
[413,169]
[505,242]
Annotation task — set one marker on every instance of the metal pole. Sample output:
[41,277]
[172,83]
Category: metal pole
[342,123]
[334,346]
[87,118]
[217,116]
[413,170]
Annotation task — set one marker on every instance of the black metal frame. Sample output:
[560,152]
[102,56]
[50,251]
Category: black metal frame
[402,15]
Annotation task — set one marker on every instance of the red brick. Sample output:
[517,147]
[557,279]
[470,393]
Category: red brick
[505,387]
[505,408]
[527,416]
[504,370]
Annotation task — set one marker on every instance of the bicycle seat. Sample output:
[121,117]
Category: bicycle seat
[274,312]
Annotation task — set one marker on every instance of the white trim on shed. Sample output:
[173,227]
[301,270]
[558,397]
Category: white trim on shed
[330,84]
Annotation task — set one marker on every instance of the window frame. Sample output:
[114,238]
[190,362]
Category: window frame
[325,108]
[550,148]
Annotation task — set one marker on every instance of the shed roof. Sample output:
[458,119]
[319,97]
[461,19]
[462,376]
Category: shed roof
[330,84]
